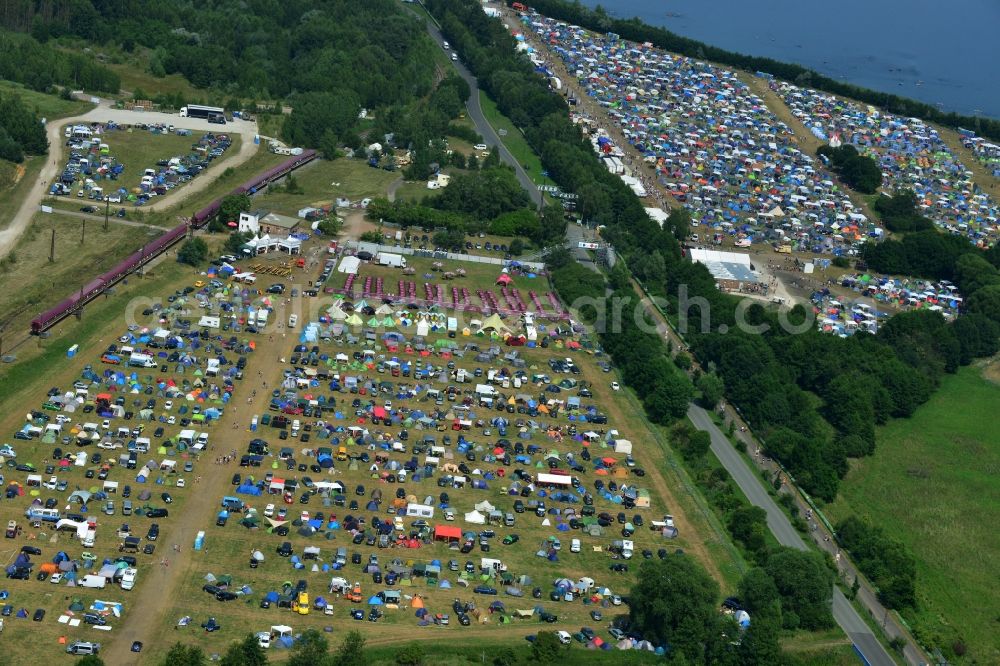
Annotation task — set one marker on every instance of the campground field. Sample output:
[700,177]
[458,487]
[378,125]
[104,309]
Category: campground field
[135,150]
[930,485]
[181,575]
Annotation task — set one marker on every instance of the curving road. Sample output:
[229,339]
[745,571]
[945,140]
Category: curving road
[103,112]
[490,137]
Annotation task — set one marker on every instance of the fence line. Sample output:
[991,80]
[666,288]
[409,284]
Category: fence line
[375,248]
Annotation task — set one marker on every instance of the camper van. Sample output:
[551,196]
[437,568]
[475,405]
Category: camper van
[38,513]
[128,579]
[262,318]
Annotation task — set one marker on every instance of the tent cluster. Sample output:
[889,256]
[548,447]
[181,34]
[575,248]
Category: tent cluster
[710,141]
[986,152]
[835,316]
[912,156]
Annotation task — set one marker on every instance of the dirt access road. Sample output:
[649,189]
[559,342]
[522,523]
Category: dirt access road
[103,112]
[160,584]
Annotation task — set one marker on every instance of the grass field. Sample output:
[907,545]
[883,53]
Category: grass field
[227,548]
[514,140]
[46,106]
[33,284]
[15,182]
[932,484]
[133,68]
[323,181]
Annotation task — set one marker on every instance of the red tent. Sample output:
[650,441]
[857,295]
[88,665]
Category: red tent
[447,533]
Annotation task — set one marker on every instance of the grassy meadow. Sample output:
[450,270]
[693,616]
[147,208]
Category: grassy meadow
[933,484]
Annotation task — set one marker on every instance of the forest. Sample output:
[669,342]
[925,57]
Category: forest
[814,399]
[329,59]
[40,66]
[21,130]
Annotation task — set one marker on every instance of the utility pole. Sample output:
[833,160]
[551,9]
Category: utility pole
[52,247]
[142,263]
[83,231]
[107,210]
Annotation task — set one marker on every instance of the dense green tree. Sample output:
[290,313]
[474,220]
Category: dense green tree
[986,302]
[675,601]
[522,222]
[236,241]
[193,252]
[760,643]
[411,654]
[748,525]
[516,247]
[309,649]
[91,660]
[859,172]
[246,652]
[231,206]
[712,388]
[546,648]
[886,562]
[485,195]
[978,336]
[450,239]
[331,226]
[669,400]
[314,114]
[678,223]
[692,443]
[973,272]
[806,587]
[759,595]
[184,655]
[351,651]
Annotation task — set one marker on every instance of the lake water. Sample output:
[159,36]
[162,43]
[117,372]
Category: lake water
[942,53]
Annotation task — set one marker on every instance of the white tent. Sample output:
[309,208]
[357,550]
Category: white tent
[475,518]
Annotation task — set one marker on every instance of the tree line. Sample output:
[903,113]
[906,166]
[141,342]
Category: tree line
[21,130]
[41,66]
[635,30]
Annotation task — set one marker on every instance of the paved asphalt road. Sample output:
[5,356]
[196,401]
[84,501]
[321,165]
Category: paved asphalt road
[752,486]
[490,137]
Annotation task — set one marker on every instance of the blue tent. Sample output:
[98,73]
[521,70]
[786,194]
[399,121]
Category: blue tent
[374,600]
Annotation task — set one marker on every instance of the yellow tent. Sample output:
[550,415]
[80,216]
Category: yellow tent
[494,324]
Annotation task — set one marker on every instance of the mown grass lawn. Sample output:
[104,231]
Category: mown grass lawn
[933,484]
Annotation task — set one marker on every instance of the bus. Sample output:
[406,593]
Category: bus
[198,111]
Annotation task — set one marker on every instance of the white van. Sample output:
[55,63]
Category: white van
[293,319]
[564,637]
[128,579]
[574,546]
